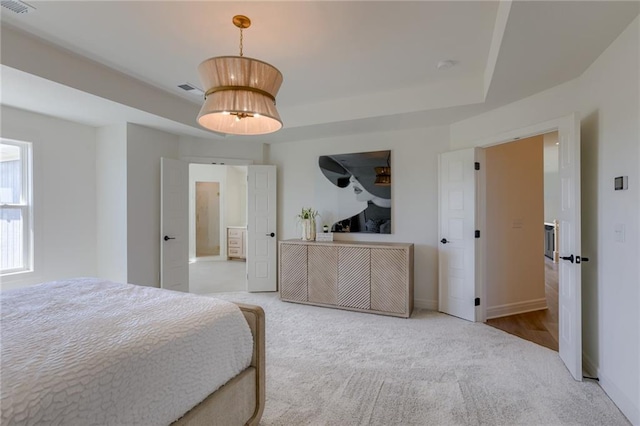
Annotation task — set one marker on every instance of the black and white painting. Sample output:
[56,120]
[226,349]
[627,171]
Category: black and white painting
[355,192]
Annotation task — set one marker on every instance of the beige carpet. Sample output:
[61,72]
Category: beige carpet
[333,367]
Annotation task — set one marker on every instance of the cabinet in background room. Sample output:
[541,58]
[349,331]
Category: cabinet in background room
[236,242]
[358,276]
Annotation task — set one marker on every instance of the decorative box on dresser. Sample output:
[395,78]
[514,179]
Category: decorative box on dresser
[236,242]
[358,276]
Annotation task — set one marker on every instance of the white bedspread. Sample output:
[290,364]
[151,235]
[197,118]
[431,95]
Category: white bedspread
[91,352]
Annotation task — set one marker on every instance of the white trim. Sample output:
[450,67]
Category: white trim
[516,308]
[431,305]
[25,205]
[504,137]
[480,244]
[504,7]
[219,161]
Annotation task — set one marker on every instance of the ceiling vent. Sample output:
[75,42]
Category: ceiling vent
[192,89]
[17,6]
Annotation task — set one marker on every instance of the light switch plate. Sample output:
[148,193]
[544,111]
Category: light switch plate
[618,232]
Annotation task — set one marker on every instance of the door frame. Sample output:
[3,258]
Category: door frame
[548,126]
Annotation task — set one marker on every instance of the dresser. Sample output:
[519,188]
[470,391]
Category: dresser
[236,242]
[357,276]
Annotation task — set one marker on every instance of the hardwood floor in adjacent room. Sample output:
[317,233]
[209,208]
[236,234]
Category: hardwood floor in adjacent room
[540,327]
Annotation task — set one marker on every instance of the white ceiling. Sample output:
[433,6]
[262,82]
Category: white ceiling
[348,67]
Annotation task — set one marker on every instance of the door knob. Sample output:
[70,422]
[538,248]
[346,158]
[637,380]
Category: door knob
[444,241]
[271,235]
[569,258]
[167,238]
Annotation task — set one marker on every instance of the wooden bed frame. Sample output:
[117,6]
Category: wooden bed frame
[241,400]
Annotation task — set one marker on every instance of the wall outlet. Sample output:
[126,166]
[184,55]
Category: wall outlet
[621,183]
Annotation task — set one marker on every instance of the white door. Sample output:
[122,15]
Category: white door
[261,228]
[457,225]
[569,245]
[174,224]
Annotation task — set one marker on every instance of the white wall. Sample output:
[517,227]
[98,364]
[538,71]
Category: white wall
[145,147]
[236,214]
[111,199]
[514,266]
[228,148]
[414,192]
[607,96]
[64,195]
[551,178]
[610,107]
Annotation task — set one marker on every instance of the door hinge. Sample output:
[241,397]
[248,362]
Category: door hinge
[477,301]
[477,233]
[477,165]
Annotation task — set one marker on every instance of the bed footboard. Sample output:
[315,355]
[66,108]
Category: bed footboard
[231,404]
[255,318]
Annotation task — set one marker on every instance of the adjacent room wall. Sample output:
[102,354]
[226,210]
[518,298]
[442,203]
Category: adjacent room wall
[551,178]
[607,97]
[414,192]
[515,231]
[64,195]
[236,196]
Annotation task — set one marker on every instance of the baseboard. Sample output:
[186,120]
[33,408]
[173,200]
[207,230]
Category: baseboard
[621,400]
[516,308]
[431,305]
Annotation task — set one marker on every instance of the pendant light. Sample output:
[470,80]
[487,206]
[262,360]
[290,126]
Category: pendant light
[383,174]
[240,92]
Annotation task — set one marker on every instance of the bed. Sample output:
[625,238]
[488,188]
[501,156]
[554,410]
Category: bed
[87,351]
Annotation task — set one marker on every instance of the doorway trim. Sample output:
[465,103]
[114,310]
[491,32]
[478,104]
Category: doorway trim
[218,161]
[504,137]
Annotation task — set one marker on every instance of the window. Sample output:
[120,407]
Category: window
[16,222]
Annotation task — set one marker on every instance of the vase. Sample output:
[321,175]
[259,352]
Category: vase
[308,229]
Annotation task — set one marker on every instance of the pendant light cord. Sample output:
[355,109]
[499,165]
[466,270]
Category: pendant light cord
[241,42]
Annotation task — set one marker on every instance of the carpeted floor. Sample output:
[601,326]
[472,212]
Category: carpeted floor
[333,367]
[214,275]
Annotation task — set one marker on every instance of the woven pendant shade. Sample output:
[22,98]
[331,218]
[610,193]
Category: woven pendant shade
[240,96]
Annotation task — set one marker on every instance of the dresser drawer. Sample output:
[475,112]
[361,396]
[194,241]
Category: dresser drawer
[235,233]
[236,241]
[234,252]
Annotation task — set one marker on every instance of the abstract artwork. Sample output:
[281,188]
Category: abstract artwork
[361,197]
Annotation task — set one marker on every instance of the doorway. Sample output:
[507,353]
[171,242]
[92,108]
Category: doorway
[217,228]
[523,197]
[471,287]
